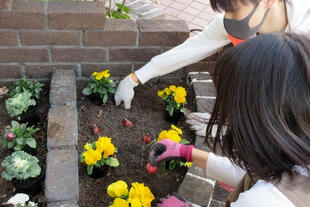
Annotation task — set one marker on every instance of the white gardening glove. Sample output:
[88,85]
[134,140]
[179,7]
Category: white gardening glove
[198,122]
[124,92]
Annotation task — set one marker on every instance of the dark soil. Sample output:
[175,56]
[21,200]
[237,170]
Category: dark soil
[147,115]
[6,187]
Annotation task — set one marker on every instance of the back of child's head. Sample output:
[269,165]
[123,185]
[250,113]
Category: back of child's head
[263,98]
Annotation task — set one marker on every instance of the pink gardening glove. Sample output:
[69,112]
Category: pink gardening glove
[167,149]
[172,201]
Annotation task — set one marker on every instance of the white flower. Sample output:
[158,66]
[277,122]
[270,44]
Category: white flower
[19,198]
[30,203]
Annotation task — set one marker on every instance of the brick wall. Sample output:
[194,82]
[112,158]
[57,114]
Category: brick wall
[38,37]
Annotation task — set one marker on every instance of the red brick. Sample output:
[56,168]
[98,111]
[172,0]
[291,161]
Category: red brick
[6,4]
[162,32]
[76,15]
[29,15]
[78,55]
[8,38]
[116,70]
[23,55]
[134,54]
[44,37]
[117,32]
[10,71]
[44,70]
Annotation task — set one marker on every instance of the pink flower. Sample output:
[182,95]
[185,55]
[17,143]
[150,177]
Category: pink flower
[10,136]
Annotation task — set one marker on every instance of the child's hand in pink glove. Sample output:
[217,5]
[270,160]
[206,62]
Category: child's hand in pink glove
[167,149]
[172,201]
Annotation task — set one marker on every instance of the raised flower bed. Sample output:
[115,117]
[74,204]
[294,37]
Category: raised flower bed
[16,136]
[146,117]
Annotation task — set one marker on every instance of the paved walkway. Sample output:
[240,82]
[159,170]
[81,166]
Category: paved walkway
[197,13]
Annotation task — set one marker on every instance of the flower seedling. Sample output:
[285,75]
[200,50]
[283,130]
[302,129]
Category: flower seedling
[100,84]
[98,154]
[174,97]
[21,166]
[138,195]
[18,135]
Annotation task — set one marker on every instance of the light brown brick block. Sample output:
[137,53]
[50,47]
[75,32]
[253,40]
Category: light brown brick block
[78,55]
[44,37]
[117,32]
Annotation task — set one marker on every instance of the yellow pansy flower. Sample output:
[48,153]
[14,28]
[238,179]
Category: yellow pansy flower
[171,134]
[167,91]
[140,194]
[101,74]
[118,202]
[87,146]
[172,88]
[104,145]
[178,130]
[92,156]
[118,189]
[180,95]
[188,164]
[161,94]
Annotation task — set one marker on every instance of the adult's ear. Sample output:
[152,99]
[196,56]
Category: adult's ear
[268,3]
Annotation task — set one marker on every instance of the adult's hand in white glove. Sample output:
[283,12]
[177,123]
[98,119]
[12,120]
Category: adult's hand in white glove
[124,92]
[198,122]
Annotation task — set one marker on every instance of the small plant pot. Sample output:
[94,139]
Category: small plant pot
[31,117]
[95,99]
[174,118]
[99,172]
[29,150]
[31,186]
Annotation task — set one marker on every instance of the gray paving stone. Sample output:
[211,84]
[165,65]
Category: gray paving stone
[205,104]
[62,129]
[219,194]
[196,190]
[204,89]
[215,203]
[200,76]
[199,143]
[62,179]
[137,5]
[195,170]
[63,88]
[63,204]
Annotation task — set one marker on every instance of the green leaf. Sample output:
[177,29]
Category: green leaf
[4,142]
[90,169]
[111,161]
[172,165]
[17,147]
[87,91]
[98,164]
[31,142]
[161,167]
[11,144]
[171,111]
[126,9]
[105,98]
[152,142]
[112,90]
[183,110]
[184,141]
[20,140]
[14,124]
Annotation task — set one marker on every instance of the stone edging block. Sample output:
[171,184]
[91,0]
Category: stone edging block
[62,176]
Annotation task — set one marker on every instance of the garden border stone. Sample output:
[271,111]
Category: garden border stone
[62,176]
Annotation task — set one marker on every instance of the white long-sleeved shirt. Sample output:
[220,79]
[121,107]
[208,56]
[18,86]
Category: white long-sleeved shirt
[212,39]
[261,194]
